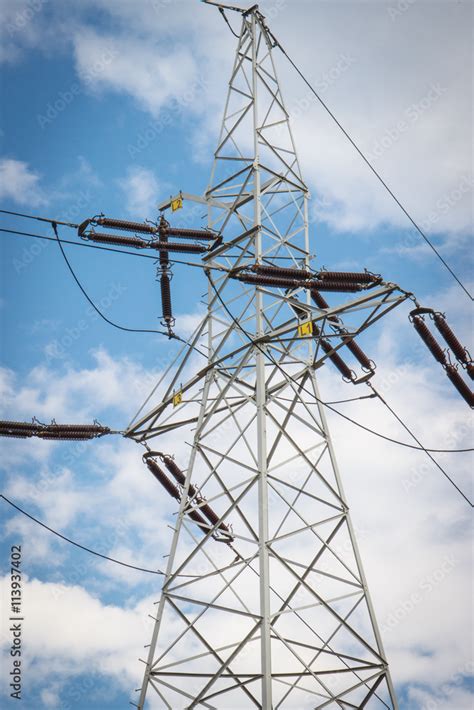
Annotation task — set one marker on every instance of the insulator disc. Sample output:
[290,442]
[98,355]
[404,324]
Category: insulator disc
[335,358]
[197,517]
[174,469]
[460,385]
[19,425]
[174,246]
[261,280]
[320,301]
[359,354]
[299,274]
[424,333]
[117,239]
[81,428]
[342,286]
[166,297]
[127,226]
[359,277]
[458,349]
[161,476]
[64,435]
[190,233]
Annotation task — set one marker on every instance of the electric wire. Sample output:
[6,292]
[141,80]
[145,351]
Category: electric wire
[40,219]
[172,259]
[77,544]
[221,10]
[369,164]
[369,384]
[97,310]
[344,416]
[93,246]
[173,336]
[125,251]
[135,330]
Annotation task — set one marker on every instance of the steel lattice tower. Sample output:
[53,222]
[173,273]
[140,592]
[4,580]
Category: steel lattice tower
[280,616]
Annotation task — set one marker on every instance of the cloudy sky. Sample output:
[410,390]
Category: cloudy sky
[111,106]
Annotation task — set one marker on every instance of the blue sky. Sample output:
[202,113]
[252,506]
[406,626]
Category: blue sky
[113,106]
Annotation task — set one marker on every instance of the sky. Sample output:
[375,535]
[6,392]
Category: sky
[112,106]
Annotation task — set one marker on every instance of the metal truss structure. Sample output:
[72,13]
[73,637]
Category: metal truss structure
[268,606]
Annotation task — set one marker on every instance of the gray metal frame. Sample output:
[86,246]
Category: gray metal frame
[282,617]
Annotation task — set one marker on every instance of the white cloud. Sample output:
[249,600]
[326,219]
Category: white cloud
[20,184]
[411,525]
[409,517]
[141,190]
[151,74]
[161,53]
[76,393]
[59,642]
[19,28]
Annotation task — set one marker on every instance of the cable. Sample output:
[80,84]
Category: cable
[369,164]
[172,336]
[77,544]
[93,246]
[132,253]
[221,10]
[351,399]
[40,219]
[107,320]
[328,404]
[377,394]
[344,416]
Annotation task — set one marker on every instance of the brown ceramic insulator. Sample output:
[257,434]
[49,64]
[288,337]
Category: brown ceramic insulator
[432,345]
[460,385]
[126,226]
[161,476]
[117,240]
[458,349]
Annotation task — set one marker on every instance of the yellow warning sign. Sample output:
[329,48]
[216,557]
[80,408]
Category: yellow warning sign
[305,328]
[177,398]
[176,204]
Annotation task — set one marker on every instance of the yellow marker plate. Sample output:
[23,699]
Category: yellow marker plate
[176,204]
[305,328]
[177,398]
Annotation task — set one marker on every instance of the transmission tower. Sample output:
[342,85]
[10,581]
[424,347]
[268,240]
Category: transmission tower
[265,603]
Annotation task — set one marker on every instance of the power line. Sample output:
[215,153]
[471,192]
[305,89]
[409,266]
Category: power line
[40,219]
[173,336]
[344,416]
[77,544]
[427,452]
[221,10]
[372,168]
[76,244]
[107,320]
[93,246]
[172,259]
